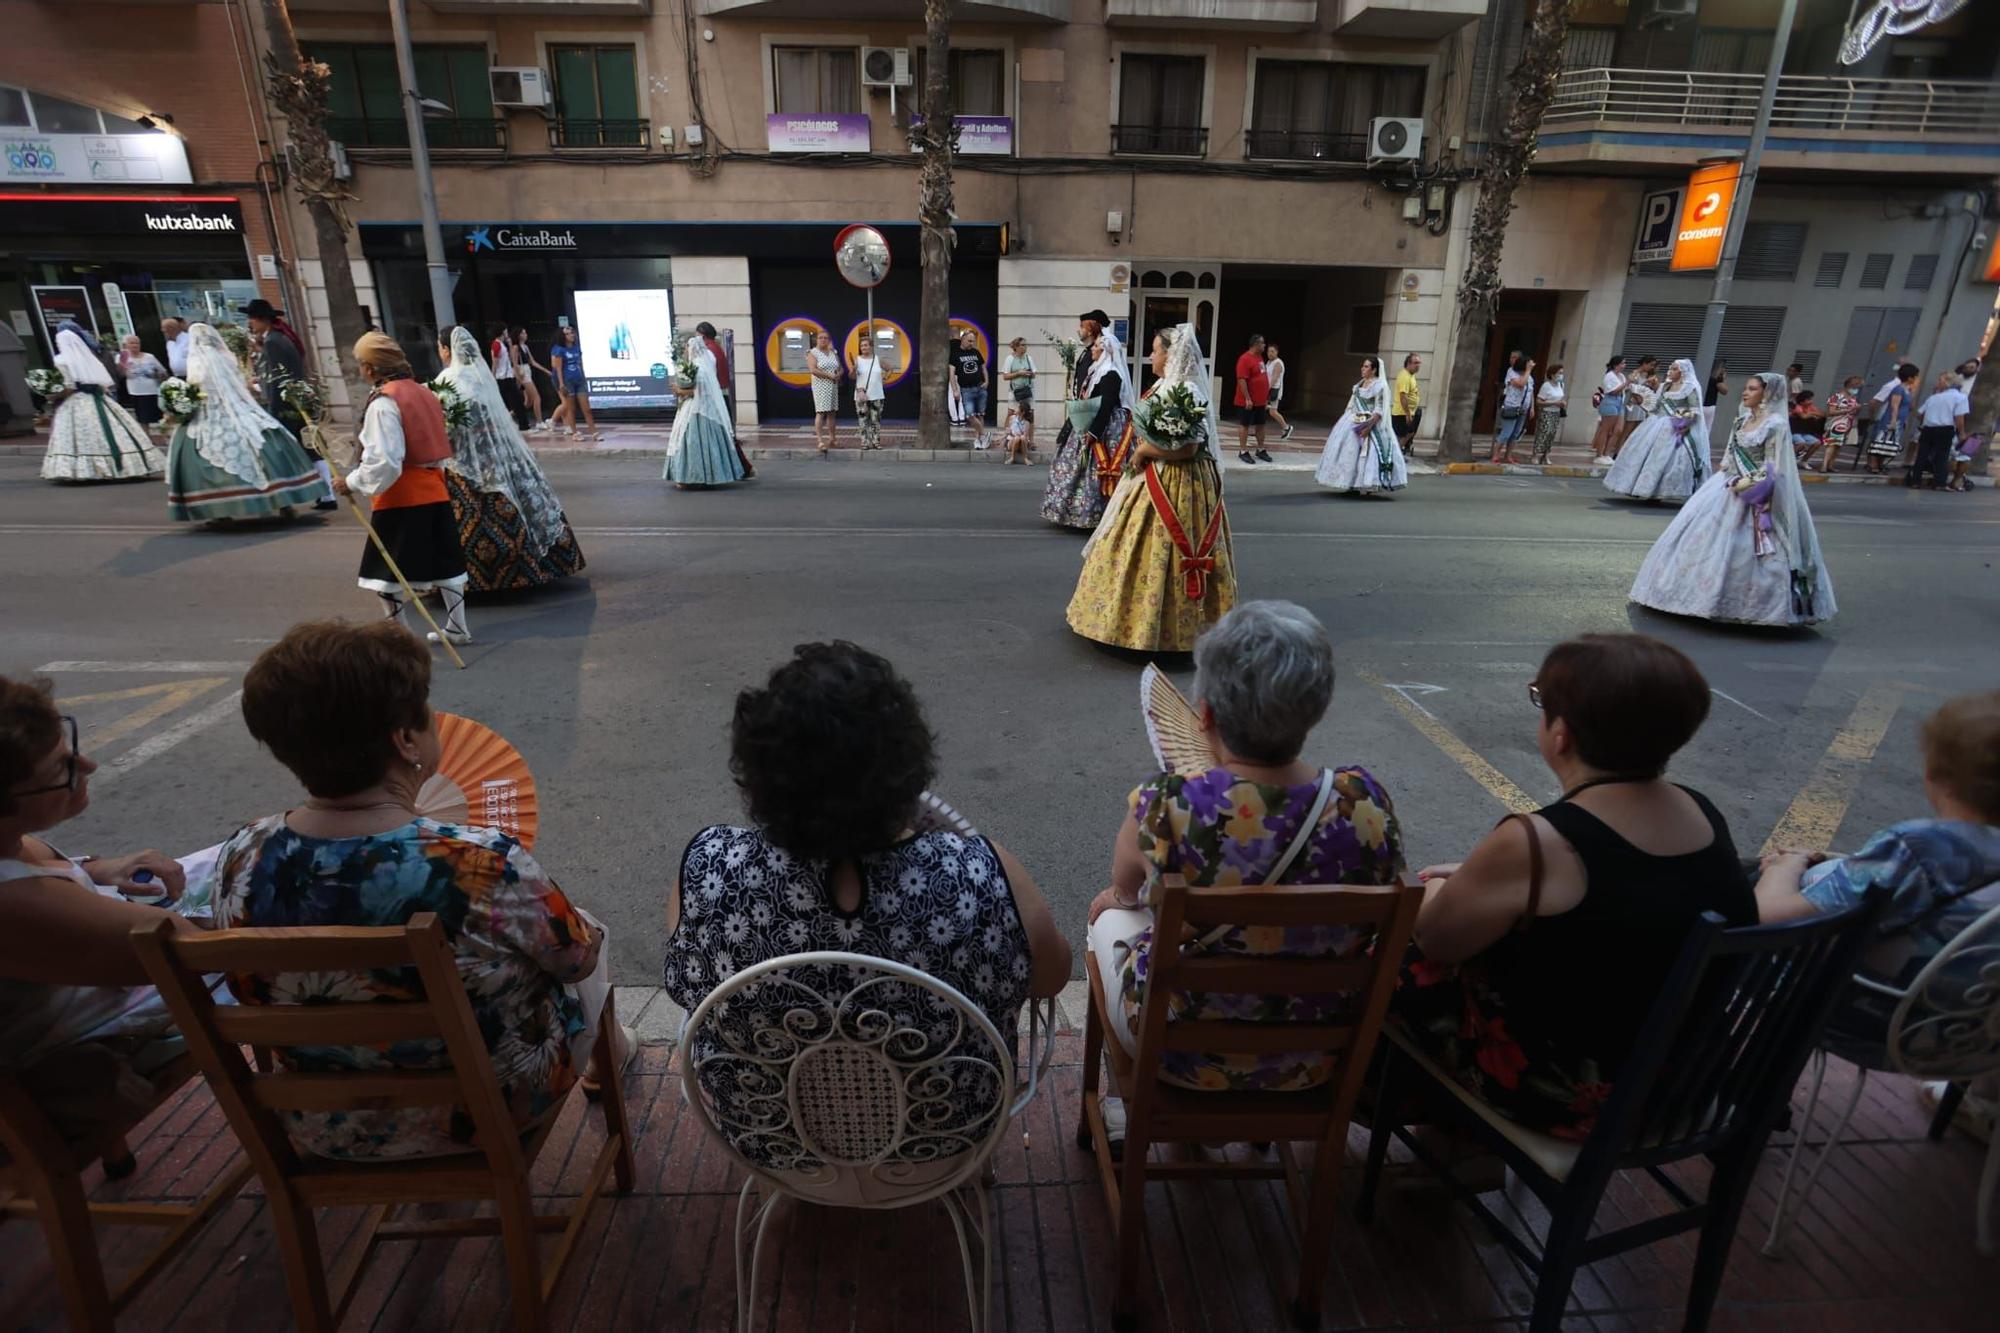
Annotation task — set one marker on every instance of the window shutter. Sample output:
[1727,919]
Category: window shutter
[1875,271]
[1923,268]
[1808,365]
[1666,331]
[1750,337]
[1771,250]
[1832,268]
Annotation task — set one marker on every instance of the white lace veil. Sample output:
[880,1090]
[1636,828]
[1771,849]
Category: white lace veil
[1110,360]
[473,456]
[1185,365]
[75,359]
[707,400]
[228,428]
[1690,382]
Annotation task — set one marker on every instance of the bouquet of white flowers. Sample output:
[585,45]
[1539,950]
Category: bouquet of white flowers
[1172,417]
[303,397]
[179,398]
[46,383]
[456,410]
[1069,349]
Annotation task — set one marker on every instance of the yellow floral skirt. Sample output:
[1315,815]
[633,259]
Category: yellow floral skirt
[1138,588]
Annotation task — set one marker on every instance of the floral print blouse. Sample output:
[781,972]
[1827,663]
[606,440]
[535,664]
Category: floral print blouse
[516,939]
[1216,829]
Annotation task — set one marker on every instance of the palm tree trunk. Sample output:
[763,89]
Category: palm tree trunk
[935,139]
[298,87]
[1531,88]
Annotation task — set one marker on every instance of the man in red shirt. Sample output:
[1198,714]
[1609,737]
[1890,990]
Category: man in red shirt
[727,384]
[1253,397]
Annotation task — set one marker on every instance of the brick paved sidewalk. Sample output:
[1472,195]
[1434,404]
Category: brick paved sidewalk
[1886,1243]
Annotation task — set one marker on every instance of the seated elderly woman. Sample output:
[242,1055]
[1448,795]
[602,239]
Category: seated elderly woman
[347,709]
[1261,815]
[1530,994]
[834,757]
[77,1025]
[1942,873]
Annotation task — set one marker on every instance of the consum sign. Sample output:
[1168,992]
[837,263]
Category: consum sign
[1711,193]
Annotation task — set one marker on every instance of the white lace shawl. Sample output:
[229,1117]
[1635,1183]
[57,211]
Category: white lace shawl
[228,428]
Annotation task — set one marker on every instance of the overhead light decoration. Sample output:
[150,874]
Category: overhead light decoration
[1892,18]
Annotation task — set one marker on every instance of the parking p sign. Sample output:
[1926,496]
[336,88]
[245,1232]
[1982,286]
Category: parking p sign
[1656,226]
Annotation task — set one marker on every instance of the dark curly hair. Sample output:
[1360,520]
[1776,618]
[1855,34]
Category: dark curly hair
[832,753]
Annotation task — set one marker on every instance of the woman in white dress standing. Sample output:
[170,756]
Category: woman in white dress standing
[1361,455]
[824,364]
[1743,549]
[93,438]
[1667,457]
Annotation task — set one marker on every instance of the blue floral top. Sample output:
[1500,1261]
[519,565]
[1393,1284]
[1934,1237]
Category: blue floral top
[516,939]
[1942,874]
[1216,829]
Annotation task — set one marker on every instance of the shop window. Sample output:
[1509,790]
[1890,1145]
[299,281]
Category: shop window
[978,85]
[1160,105]
[816,80]
[1364,331]
[1317,111]
[365,109]
[597,98]
[56,115]
[13,107]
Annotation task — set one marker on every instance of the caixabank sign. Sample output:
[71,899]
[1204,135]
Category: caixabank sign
[532,237]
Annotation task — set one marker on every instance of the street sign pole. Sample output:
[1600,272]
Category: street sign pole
[420,163]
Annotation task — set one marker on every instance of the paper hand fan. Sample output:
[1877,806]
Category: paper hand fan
[481,781]
[1173,728]
[933,814]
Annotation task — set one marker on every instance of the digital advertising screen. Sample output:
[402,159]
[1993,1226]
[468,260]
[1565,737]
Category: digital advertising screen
[627,339]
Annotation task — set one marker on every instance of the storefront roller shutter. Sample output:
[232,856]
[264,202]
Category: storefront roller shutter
[1662,330]
[1770,251]
[1750,339]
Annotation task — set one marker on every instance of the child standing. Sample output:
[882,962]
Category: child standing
[1020,426]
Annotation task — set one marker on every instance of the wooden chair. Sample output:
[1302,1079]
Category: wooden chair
[1710,1075]
[297,1182]
[49,1172]
[1156,1112]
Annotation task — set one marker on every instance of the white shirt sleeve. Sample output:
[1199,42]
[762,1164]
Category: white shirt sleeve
[381,449]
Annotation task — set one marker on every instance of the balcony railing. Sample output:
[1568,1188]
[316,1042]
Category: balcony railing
[1160,140]
[392,132]
[1305,146]
[1804,102]
[569,133]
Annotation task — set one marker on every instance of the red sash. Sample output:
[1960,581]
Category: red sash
[1111,463]
[1196,565]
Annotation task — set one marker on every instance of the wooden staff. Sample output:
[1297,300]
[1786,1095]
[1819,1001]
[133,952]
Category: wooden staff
[318,446]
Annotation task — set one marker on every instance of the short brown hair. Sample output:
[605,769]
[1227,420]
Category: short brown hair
[29,729]
[1961,743]
[1629,700]
[327,698]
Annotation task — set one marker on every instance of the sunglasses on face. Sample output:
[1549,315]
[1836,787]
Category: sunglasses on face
[69,766]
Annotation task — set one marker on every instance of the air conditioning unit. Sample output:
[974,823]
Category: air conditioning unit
[519,85]
[885,66]
[1395,139]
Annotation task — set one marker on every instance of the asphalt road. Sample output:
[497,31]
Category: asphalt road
[618,689]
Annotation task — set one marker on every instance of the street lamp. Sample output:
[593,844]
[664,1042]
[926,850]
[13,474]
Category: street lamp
[415,107]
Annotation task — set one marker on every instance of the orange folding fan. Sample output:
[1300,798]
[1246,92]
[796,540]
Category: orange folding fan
[481,780]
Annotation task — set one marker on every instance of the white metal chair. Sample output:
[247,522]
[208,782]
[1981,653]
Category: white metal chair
[1946,1025]
[877,1086]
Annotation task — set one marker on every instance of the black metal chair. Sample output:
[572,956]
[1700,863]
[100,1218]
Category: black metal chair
[1710,1076]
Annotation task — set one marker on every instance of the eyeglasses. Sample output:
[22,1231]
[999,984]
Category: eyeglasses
[69,766]
[1534,694]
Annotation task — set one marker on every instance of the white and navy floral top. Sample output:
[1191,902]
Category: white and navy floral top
[937,901]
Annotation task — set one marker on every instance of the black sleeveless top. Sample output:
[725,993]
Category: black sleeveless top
[1578,984]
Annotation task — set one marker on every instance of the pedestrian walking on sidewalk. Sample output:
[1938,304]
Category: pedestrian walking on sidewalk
[1406,403]
[868,393]
[1609,400]
[566,368]
[1551,406]
[1517,405]
[1942,422]
[500,359]
[1895,401]
[525,368]
[1253,399]
[1274,371]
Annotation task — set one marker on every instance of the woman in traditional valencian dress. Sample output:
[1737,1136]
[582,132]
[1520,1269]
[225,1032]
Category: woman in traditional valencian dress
[1088,459]
[1361,455]
[701,449]
[1159,568]
[404,448]
[92,437]
[510,524]
[232,459]
[1667,457]
[1743,549]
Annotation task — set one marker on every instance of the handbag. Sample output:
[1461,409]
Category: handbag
[1527,917]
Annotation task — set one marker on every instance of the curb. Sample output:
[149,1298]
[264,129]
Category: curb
[1585,472]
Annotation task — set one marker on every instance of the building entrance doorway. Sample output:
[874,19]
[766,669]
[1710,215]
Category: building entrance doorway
[1524,322]
[1164,297]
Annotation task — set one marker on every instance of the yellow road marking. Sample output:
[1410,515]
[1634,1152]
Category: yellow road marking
[1815,815]
[1476,768]
[171,695]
